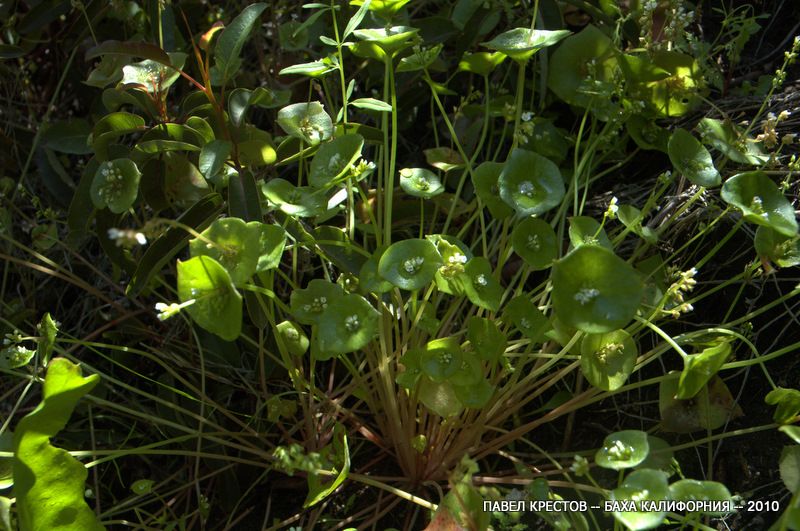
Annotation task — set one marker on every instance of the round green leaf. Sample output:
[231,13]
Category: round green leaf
[623,449]
[686,490]
[470,372]
[521,43]
[151,76]
[234,244]
[439,397]
[481,63]
[527,318]
[368,278]
[333,159]
[485,180]
[641,485]
[585,230]
[420,182]
[783,250]
[607,360]
[729,140]
[410,264]
[348,324]
[594,290]
[272,242]
[293,337]
[535,241]
[441,359]
[698,369]
[474,396]
[488,342]
[530,183]
[411,361]
[690,158]
[480,286]
[390,39]
[218,306]
[710,409]
[760,201]
[788,402]
[789,465]
[308,305]
[450,278]
[307,121]
[660,455]
[296,201]
[115,185]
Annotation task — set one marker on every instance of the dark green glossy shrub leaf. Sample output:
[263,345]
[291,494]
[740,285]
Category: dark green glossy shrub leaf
[213,157]
[641,485]
[623,449]
[410,264]
[710,409]
[788,402]
[594,290]
[115,185]
[698,369]
[530,183]
[760,201]
[480,286]
[296,201]
[111,127]
[152,76]
[230,43]
[348,324]
[68,136]
[420,182]
[535,241]
[218,306]
[293,337]
[307,121]
[528,319]
[690,158]
[694,490]
[236,245]
[784,251]
[521,43]
[308,305]
[49,484]
[333,160]
[488,342]
[607,360]
[485,180]
[241,99]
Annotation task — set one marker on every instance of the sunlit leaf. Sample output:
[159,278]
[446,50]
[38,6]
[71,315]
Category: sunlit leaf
[410,264]
[521,43]
[607,360]
[307,121]
[348,324]
[760,201]
[623,449]
[217,305]
[115,185]
[230,43]
[691,159]
[535,241]
[640,485]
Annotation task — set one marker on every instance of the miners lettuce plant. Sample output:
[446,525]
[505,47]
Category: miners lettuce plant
[440,298]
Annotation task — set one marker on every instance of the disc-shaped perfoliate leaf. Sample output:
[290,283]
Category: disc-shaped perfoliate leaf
[594,290]
[585,230]
[784,251]
[528,319]
[384,8]
[213,157]
[585,54]
[641,485]
[294,200]
[488,342]
[307,121]
[441,359]
[760,201]
[535,241]
[348,324]
[234,244]
[450,278]
[660,455]
[686,490]
[481,63]
[420,182]
[690,158]
[788,402]
[470,372]
[419,60]
[607,360]
[309,304]
[474,396]
[49,483]
[485,181]
[530,183]
[390,39]
[521,43]
[439,397]
[217,304]
[333,159]
[410,264]
[623,449]
[369,280]
[115,185]
[698,369]
[294,338]
[480,286]
[272,242]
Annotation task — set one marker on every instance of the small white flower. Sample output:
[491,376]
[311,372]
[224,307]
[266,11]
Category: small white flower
[526,116]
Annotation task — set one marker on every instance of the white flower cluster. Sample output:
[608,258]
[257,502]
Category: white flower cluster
[126,237]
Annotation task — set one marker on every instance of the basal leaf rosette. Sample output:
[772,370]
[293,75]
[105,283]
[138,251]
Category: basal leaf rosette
[535,241]
[594,290]
[115,185]
[217,304]
[760,201]
[641,486]
[307,121]
[623,449]
[348,324]
[521,43]
[607,360]
[530,183]
[410,264]
[234,244]
[333,159]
